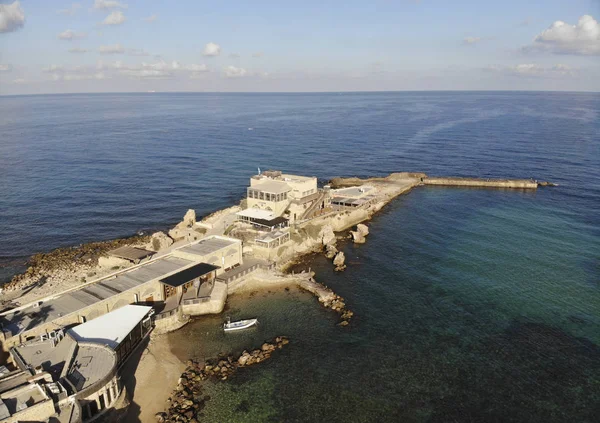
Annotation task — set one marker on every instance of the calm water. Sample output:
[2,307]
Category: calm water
[472,305]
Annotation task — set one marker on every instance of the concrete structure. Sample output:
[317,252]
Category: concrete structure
[481,182]
[72,377]
[267,245]
[137,284]
[262,219]
[353,196]
[283,194]
[131,254]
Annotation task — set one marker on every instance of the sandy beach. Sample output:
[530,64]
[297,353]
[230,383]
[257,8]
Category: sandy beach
[150,381]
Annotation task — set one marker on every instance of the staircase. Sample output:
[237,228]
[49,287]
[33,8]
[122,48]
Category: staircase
[316,203]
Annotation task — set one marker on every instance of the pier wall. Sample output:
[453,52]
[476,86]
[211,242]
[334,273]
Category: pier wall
[480,182]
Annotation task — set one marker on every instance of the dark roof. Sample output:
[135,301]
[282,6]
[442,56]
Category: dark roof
[270,223]
[130,253]
[188,274]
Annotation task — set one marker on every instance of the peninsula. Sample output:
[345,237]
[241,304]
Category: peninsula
[71,322]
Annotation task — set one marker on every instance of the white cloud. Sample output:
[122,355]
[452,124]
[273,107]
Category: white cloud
[212,49]
[234,72]
[146,73]
[151,18]
[196,68]
[137,52]
[471,40]
[108,4]
[115,18]
[71,10]
[114,49]
[78,50]
[582,38]
[5,68]
[77,73]
[71,35]
[12,17]
[534,70]
[158,70]
[53,68]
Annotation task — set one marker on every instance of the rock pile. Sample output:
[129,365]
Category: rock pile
[359,235]
[339,261]
[187,401]
[330,251]
[336,303]
[68,260]
[159,241]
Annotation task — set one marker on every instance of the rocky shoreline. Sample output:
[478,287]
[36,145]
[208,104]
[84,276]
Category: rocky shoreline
[187,401]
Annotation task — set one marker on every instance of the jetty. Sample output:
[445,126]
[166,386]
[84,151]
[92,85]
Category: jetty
[482,182]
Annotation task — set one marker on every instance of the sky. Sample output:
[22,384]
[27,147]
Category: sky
[298,46]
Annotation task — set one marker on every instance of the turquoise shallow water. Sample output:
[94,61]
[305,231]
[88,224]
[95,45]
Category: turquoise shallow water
[471,305]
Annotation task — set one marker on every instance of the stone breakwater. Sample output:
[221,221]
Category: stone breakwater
[328,299]
[187,400]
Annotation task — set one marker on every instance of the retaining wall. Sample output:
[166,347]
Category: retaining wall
[485,183]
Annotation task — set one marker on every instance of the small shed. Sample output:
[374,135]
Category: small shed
[133,254]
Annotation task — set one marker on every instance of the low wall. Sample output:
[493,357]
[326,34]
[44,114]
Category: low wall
[214,305]
[485,183]
[169,322]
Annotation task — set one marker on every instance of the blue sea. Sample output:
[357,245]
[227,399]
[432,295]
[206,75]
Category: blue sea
[471,304]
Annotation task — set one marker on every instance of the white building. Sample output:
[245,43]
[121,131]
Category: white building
[284,195]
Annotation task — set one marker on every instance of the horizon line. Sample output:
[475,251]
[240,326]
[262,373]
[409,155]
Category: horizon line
[305,92]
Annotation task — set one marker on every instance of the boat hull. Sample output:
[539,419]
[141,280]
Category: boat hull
[240,325]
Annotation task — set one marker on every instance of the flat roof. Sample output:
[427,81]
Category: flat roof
[110,328]
[271,222]
[271,236]
[91,364]
[208,246]
[188,274]
[353,201]
[359,191]
[52,356]
[130,253]
[254,213]
[88,363]
[272,187]
[296,178]
[70,302]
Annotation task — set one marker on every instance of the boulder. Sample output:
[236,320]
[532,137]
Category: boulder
[339,260]
[363,229]
[243,358]
[330,251]
[190,217]
[159,241]
[327,236]
[358,237]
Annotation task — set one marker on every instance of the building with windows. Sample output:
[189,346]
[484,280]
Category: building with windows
[149,283]
[285,195]
[72,376]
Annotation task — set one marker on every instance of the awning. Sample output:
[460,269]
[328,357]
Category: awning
[254,213]
[111,328]
[188,274]
[271,223]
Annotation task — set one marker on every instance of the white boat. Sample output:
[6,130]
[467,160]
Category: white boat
[239,325]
